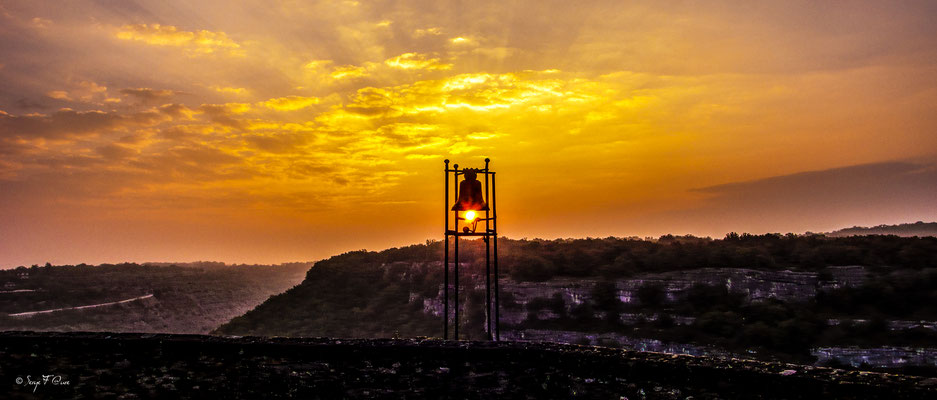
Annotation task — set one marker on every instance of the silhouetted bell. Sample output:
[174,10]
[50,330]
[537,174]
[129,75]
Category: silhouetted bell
[470,194]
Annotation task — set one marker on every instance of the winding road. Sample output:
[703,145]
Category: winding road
[31,313]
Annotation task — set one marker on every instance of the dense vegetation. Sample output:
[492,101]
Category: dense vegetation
[356,294]
[773,328]
[380,294]
[904,288]
[367,294]
[540,260]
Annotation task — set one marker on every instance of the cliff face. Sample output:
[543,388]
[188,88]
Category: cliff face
[149,366]
[790,286]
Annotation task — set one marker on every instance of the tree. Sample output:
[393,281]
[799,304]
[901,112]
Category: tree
[531,268]
[605,297]
[651,295]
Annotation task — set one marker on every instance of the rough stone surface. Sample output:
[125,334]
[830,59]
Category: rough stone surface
[138,366]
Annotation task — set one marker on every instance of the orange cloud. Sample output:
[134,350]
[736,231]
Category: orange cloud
[147,95]
[59,95]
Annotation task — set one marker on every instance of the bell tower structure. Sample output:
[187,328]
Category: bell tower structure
[471,199]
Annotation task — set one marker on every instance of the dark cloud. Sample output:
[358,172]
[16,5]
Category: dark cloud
[66,122]
[818,200]
[177,111]
[221,114]
[10,148]
[311,169]
[852,181]
[280,143]
[192,163]
[27,104]
[179,133]
[115,152]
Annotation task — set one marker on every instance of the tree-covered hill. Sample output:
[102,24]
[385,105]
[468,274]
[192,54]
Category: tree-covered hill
[907,230]
[775,295]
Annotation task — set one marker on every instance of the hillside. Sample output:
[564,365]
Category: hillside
[186,298]
[905,230]
[795,298]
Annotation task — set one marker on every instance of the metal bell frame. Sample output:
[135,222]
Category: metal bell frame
[489,236]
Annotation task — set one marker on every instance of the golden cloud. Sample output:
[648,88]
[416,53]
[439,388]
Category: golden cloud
[232,90]
[348,72]
[58,95]
[317,64]
[84,91]
[290,103]
[416,61]
[462,40]
[200,42]
[433,31]
[477,92]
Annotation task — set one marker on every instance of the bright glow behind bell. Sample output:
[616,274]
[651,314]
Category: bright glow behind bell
[469,216]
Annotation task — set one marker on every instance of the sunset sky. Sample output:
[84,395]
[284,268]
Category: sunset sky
[276,131]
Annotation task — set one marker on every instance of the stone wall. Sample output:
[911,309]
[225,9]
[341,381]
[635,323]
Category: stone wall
[134,366]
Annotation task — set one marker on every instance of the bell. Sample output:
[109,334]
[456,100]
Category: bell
[470,193]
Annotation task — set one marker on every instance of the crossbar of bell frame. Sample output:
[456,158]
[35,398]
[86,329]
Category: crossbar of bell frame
[480,171]
[477,219]
[478,234]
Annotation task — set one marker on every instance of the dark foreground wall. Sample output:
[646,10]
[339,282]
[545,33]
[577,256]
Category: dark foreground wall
[102,365]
